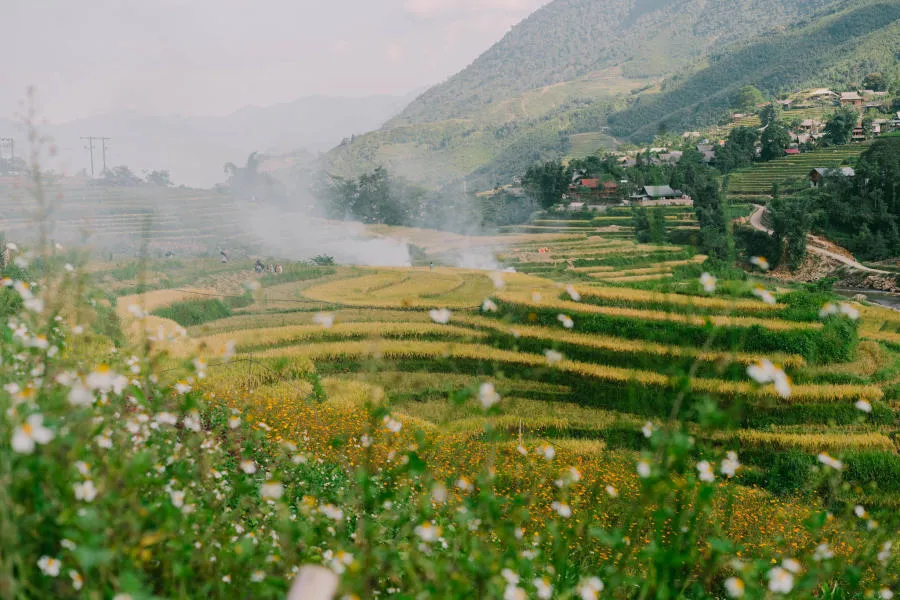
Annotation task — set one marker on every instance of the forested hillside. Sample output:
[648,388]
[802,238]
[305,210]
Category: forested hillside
[828,52]
[568,39]
[558,80]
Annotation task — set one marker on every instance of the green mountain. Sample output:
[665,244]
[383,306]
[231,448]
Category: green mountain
[557,81]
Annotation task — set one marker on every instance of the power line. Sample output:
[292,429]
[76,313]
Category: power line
[90,147]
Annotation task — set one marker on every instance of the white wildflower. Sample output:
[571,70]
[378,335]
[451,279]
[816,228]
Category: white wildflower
[708,282]
[566,321]
[643,469]
[590,588]
[730,464]
[183,387]
[648,429]
[547,451]
[392,425]
[612,491]
[271,489]
[441,315]
[562,509]
[765,295]
[792,565]
[325,320]
[823,552]
[553,356]
[735,587]
[573,293]
[489,306]
[177,498]
[79,395]
[248,467]
[543,587]
[780,581]
[829,461]
[761,262]
[705,471]
[428,532]
[257,576]
[863,405]
[192,421]
[488,395]
[49,566]
[86,491]
[28,434]
[849,312]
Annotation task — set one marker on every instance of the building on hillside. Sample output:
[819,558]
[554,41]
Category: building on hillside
[811,126]
[820,175]
[851,99]
[666,158]
[661,195]
[792,151]
[593,190]
[859,132]
[823,93]
[895,122]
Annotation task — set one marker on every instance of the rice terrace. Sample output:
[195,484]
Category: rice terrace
[611,312]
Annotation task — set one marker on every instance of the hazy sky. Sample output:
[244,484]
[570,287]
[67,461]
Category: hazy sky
[211,57]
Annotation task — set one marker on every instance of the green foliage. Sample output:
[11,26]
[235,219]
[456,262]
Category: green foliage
[863,213]
[748,98]
[822,51]
[792,221]
[876,82]
[751,242]
[776,138]
[547,183]
[739,150]
[839,127]
[195,312]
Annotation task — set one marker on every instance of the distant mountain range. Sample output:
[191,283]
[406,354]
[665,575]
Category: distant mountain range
[578,75]
[195,149]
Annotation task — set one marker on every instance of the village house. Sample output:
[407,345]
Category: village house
[593,190]
[661,195]
[819,175]
[667,158]
[851,99]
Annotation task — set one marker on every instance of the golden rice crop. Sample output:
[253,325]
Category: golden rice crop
[624,345]
[666,264]
[281,319]
[407,288]
[650,297]
[638,278]
[653,270]
[522,299]
[280,336]
[150,301]
[418,350]
[810,442]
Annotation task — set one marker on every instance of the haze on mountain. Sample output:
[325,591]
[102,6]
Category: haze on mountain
[321,71]
[581,75]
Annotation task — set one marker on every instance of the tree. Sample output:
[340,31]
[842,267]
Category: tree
[710,210]
[775,140]
[160,178]
[792,220]
[868,125]
[739,150]
[770,113]
[875,82]
[249,183]
[839,128]
[749,98]
[641,223]
[547,183]
[122,176]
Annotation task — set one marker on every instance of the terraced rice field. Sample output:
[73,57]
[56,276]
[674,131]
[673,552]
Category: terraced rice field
[120,221]
[790,172]
[581,355]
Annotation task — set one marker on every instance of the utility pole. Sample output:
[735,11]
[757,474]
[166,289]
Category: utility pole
[103,141]
[91,148]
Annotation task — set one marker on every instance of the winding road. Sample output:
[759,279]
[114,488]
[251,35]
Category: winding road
[756,222]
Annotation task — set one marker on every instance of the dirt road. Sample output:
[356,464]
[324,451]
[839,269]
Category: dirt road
[756,223]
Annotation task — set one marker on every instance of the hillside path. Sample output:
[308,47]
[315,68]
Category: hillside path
[756,223]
